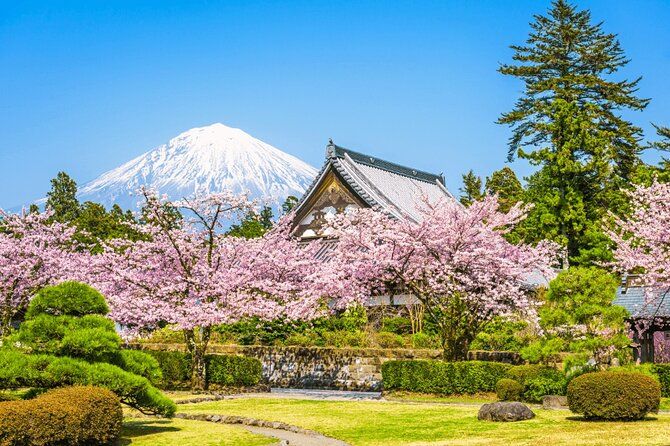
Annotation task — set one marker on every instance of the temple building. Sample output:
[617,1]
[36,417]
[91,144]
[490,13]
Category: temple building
[351,179]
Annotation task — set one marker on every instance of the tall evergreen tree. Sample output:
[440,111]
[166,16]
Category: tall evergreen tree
[568,122]
[471,190]
[288,204]
[62,198]
[507,186]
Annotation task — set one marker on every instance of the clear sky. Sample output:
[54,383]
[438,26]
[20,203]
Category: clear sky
[87,85]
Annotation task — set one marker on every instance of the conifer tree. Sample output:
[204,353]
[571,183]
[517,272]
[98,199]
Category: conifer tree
[507,186]
[569,123]
[472,189]
[62,198]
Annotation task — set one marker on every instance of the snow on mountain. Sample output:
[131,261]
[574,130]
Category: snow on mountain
[204,159]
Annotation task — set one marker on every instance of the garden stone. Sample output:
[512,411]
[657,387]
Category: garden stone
[503,411]
[554,402]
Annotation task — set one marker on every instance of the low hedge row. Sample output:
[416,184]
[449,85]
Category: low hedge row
[67,416]
[534,381]
[441,377]
[614,395]
[222,370]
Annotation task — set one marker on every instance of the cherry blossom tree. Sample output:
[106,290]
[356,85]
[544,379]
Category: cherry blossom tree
[455,261]
[189,274]
[643,244]
[34,252]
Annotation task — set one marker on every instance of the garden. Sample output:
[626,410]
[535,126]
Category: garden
[113,324]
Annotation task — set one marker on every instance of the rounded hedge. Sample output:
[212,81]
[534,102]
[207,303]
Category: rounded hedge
[69,299]
[509,390]
[614,395]
[72,416]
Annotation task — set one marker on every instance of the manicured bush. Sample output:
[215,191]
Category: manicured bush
[663,373]
[509,390]
[441,377]
[67,298]
[92,344]
[233,371]
[525,373]
[175,368]
[44,371]
[397,325]
[72,416]
[344,338]
[141,363]
[422,340]
[614,395]
[537,381]
[389,340]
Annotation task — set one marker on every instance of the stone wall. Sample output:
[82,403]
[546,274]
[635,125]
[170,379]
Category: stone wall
[329,368]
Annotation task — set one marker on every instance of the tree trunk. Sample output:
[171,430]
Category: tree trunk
[196,342]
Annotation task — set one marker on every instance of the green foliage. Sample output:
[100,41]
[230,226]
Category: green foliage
[233,371]
[92,344]
[96,225]
[614,395]
[662,371]
[439,377]
[222,370]
[398,325]
[502,334]
[345,338]
[423,340]
[67,298]
[537,381]
[389,340]
[545,351]
[507,186]
[578,316]
[471,190]
[288,204]
[142,364]
[568,121]
[254,224]
[72,416]
[509,390]
[62,198]
[175,368]
[46,371]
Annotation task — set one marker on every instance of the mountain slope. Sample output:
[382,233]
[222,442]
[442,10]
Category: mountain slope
[204,159]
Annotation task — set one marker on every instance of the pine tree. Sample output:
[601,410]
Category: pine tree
[254,224]
[568,122]
[288,204]
[62,198]
[507,186]
[472,189]
[664,142]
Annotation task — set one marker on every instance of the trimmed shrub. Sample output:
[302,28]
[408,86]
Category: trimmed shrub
[536,388]
[45,371]
[72,416]
[509,390]
[389,340]
[141,363]
[422,340]
[663,373]
[614,395]
[441,377]
[397,325]
[92,344]
[67,298]
[525,373]
[175,368]
[233,371]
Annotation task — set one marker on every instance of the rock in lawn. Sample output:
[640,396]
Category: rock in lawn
[554,402]
[503,411]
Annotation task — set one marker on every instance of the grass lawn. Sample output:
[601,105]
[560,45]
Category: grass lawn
[160,432]
[367,423]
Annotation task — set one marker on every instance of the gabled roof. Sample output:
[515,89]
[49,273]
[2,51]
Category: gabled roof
[382,185]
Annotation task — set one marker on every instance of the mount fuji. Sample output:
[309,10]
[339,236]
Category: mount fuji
[203,160]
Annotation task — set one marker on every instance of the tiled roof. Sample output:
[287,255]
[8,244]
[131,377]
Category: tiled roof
[634,300]
[396,189]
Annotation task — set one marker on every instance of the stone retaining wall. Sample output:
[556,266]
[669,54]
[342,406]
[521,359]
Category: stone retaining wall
[329,368]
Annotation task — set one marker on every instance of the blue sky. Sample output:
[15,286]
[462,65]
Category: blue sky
[85,86]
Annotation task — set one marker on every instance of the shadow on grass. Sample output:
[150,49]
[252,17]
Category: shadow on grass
[138,428]
[597,420]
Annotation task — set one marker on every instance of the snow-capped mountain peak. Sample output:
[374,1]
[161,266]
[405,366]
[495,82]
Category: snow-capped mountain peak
[202,160]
